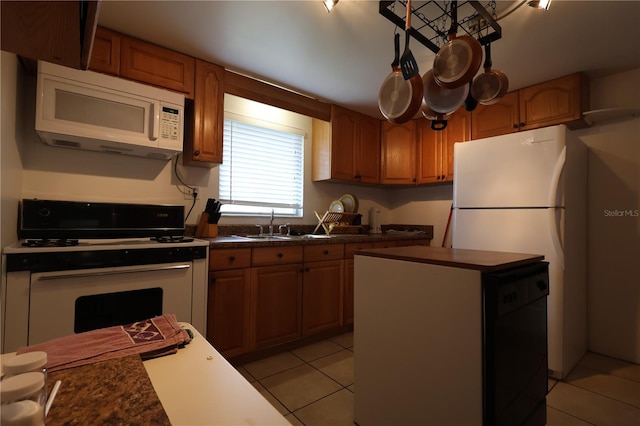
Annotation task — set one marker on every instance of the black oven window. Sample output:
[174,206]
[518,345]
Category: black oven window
[106,310]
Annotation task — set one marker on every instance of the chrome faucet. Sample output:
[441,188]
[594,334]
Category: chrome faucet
[271,223]
[285,226]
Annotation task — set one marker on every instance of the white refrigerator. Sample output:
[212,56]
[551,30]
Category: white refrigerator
[527,193]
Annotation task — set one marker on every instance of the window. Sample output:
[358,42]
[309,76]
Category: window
[262,168]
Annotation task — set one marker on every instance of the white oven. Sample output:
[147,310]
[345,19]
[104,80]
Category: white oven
[44,305]
[54,288]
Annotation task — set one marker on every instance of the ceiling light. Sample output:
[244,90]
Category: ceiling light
[330,4]
[540,4]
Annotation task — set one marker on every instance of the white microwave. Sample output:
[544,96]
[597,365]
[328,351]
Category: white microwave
[98,112]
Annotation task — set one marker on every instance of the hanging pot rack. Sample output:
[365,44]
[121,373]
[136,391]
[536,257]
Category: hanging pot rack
[431,20]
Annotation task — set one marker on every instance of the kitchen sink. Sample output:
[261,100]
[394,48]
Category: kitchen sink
[264,237]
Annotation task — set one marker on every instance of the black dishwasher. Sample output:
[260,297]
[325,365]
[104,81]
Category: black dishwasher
[515,345]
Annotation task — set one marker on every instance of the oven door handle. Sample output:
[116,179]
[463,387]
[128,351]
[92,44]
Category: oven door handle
[66,274]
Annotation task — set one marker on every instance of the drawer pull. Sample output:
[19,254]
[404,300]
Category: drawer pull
[326,252]
[232,259]
[280,255]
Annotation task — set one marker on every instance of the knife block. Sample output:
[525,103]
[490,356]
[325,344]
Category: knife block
[206,229]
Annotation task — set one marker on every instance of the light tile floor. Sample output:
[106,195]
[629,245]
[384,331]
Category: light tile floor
[313,386]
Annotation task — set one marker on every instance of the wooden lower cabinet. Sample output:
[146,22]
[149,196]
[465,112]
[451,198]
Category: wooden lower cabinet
[263,297]
[228,315]
[349,250]
[276,304]
[322,292]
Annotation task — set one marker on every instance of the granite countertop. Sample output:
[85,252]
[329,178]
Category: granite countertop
[233,237]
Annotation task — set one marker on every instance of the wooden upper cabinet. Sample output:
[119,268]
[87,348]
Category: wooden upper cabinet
[60,32]
[435,147]
[156,65]
[105,56]
[497,119]
[368,149]
[138,60]
[347,148]
[343,144]
[558,101]
[399,153]
[203,146]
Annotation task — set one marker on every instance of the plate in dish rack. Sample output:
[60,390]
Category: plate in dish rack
[336,206]
[350,203]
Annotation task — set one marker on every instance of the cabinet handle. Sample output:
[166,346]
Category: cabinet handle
[196,153]
[232,258]
[326,252]
[522,124]
[515,126]
[280,255]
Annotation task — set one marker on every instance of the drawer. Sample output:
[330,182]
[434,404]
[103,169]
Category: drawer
[319,252]
[262,256]
[405,243]
[384,244]
[220,259]
[350,248]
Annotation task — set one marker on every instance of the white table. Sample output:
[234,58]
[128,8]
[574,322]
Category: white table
[197,386]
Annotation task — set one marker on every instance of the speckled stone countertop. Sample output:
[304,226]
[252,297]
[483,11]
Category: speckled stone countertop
[117,392]
[227,237]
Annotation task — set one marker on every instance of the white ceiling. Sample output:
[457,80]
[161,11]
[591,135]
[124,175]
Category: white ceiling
[344,56]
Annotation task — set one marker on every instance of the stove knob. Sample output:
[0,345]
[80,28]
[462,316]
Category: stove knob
[44,212]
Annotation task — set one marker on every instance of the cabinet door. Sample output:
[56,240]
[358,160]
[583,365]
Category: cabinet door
[347,311]
[53,31]
[322,296]
[429,153]
[349,250]
[458,130]
[497,119]
[276,304]
[368,150]
[105,55]
[553,102]
[228,313]
[157,66]
[343,144]
[203,146]
[398,153]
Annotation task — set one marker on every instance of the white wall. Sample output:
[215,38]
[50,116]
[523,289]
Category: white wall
[11,163]
[613,240]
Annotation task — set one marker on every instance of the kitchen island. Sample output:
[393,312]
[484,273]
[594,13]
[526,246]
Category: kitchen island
[449,337]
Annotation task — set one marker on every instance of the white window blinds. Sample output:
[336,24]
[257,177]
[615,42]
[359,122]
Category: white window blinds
[262,169]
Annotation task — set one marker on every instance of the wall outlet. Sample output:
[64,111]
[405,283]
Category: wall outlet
[188,193]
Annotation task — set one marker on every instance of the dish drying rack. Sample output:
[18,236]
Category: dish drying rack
[328,218]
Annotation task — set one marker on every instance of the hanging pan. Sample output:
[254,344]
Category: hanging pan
[439,103]
[490,86]
[459,59]
[395,93]
[400,97]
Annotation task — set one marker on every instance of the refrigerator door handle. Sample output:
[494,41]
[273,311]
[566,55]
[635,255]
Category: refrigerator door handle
[554,188]
[555,223]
